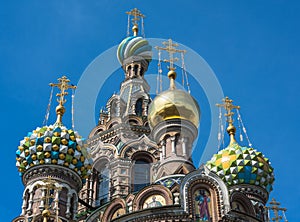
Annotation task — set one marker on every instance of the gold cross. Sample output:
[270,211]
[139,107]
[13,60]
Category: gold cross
[171,49]
[275,208]
[137,15]
[63,86]
[228,106]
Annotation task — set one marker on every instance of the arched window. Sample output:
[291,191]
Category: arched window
[103,185]
[141,174]
[139,107]
[135,70]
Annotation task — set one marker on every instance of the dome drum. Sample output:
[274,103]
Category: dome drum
[59,173]
[181,126]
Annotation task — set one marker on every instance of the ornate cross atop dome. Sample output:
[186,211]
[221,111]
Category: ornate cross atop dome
[137,16]
[171,49]
[228,106]
[63,86]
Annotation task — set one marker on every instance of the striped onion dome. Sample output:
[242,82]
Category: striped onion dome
[134,46]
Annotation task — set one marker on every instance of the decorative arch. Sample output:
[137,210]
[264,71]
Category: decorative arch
[102,150]
[116,206]
[113,122]
[134,120]
[149,191]
[141,144]
[98,129]
[203,184]
[241,203]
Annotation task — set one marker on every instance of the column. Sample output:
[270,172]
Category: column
[184,140]
[173,138]
[163,148]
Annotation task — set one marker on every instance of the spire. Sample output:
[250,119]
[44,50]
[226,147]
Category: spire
[63,86]
[228,106]
[137,16]
[171,49]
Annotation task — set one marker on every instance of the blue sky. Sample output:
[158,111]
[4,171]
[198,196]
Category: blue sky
[252,47]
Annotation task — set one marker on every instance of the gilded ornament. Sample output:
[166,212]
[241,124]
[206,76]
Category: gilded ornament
[47,140]
[55,147]
[62,156]
[39,148]
[64,141]
[70,151]
[47,154]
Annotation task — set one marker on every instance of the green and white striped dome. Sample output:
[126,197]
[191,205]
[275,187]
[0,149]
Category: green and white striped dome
[134,46]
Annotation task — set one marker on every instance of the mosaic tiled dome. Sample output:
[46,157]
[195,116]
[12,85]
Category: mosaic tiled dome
[242,165]
[134,46]
[55,145]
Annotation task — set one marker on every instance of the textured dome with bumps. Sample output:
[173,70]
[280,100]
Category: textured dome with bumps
[242,165]
[54,145]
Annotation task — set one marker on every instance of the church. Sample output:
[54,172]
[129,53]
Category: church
[136,164]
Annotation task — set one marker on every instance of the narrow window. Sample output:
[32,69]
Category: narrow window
[139,107]
[103,186]
[141,174]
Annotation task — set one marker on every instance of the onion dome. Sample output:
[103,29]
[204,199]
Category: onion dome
[237,165]
[242,165]
[134,46]
[173,104]
[54,145]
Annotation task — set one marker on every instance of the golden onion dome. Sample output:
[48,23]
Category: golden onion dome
[173,104]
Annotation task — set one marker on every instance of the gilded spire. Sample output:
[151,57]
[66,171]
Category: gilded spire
[228,106]
[170,47]
[137,16]
[63,86]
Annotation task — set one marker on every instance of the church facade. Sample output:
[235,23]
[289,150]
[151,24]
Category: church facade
[136,164]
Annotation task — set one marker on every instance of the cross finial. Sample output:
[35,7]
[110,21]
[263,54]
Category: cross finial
[63,86]
[137,16]
[274,206]
[228,106]
[171,49]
